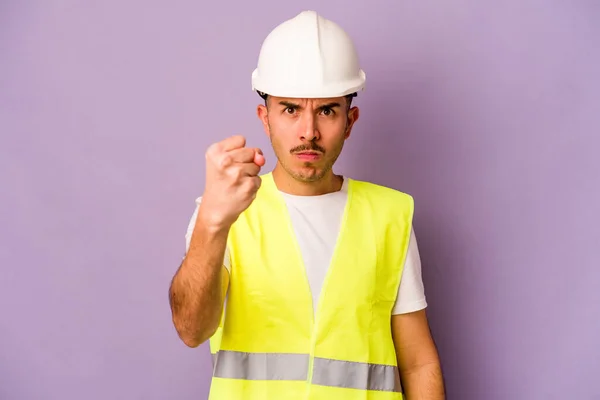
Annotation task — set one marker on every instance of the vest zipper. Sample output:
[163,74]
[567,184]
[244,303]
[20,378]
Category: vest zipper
[316,311]
[313,310]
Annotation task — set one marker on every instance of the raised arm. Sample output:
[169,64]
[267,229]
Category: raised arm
[197,291]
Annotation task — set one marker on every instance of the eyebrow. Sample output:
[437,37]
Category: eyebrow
[329,105]
[321,107]
[289,104]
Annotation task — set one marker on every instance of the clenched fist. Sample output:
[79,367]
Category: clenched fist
[231,180]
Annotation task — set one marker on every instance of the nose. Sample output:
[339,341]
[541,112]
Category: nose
[308,129]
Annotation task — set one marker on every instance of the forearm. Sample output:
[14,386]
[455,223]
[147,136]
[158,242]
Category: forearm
[196,294]
[424,382]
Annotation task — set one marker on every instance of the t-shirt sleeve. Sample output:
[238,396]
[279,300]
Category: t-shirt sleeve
[190,231]
[411,292]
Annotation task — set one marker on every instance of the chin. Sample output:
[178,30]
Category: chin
[305,171]
[309,175]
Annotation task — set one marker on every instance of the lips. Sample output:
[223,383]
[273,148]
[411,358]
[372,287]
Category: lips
[308,155]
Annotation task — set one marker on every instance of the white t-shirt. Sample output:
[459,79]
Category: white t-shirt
[316,221]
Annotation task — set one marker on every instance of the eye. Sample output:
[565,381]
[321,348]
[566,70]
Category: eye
[327,112]
[290,110]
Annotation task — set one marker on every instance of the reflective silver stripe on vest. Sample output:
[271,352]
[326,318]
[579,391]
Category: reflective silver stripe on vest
[261,366]
[356,375]
[294,367]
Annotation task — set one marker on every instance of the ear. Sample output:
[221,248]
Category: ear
[263,115]
[353,114]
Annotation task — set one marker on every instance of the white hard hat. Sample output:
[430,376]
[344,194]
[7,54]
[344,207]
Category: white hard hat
[308,56]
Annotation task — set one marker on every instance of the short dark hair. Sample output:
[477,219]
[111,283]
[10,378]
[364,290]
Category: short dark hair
[348,97]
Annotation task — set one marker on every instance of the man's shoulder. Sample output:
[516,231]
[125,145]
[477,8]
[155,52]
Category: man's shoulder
[388,203]
[381,191]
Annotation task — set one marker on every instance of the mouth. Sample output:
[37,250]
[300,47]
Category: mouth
[308,155]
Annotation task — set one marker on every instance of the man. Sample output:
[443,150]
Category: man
[307,283]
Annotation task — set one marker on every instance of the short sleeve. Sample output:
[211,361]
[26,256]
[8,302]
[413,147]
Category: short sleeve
[190,231]
[411,292]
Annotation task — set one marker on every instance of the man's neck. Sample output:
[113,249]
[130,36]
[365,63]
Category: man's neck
[287,184]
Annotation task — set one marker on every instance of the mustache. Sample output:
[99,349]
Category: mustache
[311,147]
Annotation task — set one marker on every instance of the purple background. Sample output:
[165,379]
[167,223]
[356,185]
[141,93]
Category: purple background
[487,112]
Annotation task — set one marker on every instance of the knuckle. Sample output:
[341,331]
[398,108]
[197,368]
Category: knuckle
[238,173]
[239,139]
[246,186]
[253,185]
[225,161]
[212,149]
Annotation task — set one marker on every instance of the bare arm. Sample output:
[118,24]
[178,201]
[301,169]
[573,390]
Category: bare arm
[418,361]
[198,289]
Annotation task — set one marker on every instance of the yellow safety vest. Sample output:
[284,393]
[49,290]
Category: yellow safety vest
[270,345]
